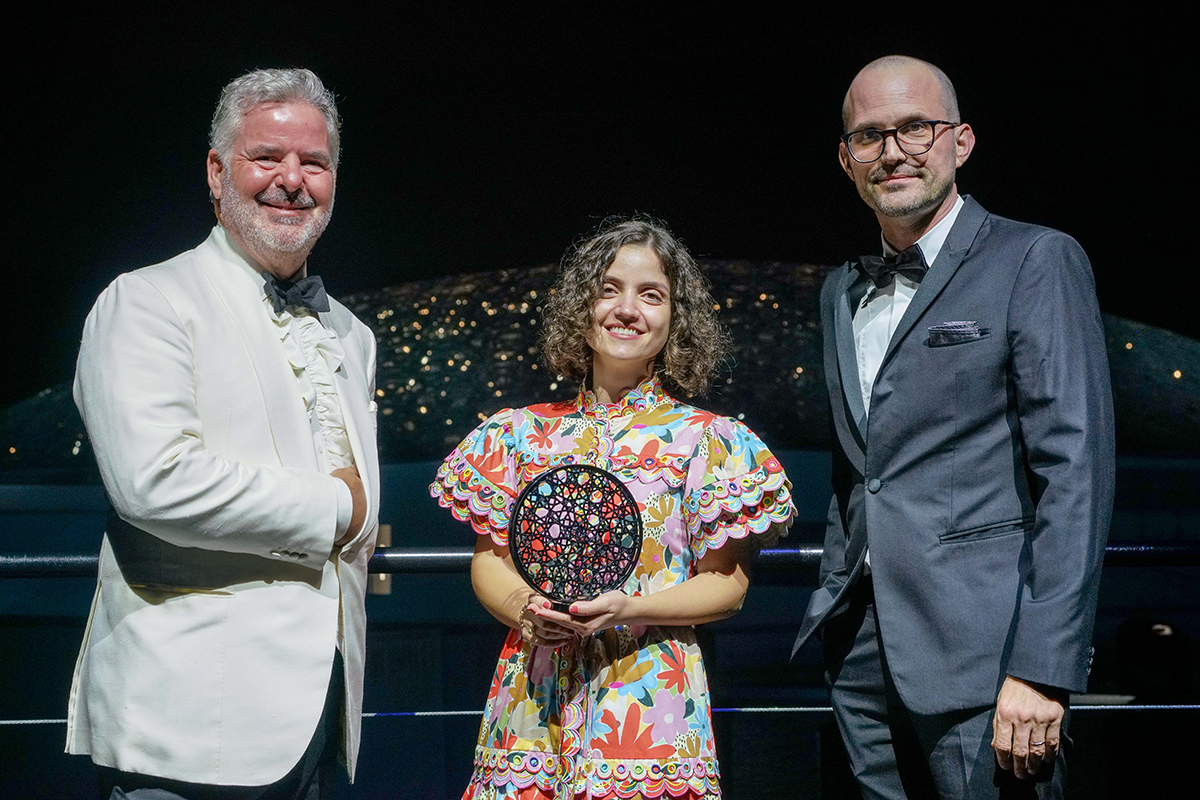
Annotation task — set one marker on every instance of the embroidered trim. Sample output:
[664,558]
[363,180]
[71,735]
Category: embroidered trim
[758,503]
[603,777]
[471,498]
[646,395]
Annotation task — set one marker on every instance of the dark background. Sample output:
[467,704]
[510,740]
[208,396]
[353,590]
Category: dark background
[475,140]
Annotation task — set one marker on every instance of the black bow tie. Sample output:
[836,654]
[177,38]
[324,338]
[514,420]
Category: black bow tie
[307,292]
[882,270]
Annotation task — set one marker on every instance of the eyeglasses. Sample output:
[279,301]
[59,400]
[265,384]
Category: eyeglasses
[913,138]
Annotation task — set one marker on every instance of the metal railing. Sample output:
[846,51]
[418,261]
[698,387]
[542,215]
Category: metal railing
[394,560]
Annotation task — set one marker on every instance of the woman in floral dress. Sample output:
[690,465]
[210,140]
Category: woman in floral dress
[611,700]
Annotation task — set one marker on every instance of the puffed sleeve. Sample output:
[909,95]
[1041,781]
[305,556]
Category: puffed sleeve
[735,488]
[478,480]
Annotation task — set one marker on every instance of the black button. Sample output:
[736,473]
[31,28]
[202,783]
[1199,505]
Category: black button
[874,485]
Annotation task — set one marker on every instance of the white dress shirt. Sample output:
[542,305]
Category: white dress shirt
[880,310]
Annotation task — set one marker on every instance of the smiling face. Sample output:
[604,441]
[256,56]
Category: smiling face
[275,191]
[631,318]
[899,185]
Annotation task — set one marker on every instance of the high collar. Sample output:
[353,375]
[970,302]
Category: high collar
[646,395]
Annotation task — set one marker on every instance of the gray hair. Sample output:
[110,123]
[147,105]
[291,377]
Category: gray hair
[949,96]
[271,86]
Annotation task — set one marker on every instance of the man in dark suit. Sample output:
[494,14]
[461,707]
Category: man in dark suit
[973,467]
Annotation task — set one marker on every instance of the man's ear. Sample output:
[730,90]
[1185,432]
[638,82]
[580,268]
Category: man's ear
[964,143]
[215,169]
[844,160]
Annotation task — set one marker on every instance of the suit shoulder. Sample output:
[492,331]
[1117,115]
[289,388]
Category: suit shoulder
[1028,232]
[345,322]
[168,276]
[831,282]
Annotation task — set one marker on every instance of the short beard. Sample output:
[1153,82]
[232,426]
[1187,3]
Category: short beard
[242,219]
[933,197]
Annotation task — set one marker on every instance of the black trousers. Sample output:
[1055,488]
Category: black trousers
[896,754]
[311,779]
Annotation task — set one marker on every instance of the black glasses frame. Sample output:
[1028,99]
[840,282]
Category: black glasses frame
[895,134]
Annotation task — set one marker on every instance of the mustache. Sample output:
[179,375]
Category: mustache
[883,173]
[296,199]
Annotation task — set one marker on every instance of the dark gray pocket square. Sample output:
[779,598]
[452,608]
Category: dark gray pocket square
[957,332]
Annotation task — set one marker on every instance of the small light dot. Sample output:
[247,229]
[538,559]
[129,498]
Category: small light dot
[379,392]
[1177,374]
[387,412]
[12,449]
[422,409]
[1129,345]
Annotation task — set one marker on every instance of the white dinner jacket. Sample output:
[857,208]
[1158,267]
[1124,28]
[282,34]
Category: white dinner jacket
[211,638]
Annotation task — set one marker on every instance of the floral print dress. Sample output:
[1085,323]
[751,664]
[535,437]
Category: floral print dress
[623,712]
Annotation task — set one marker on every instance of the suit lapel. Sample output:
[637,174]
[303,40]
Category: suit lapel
[843,320]
[841,367]
[233,281]
[351,384]
[944,265]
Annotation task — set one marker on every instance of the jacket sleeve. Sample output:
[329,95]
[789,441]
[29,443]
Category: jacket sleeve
[1064,408]
[135,387]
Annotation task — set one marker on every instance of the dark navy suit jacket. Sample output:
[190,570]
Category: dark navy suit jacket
[983,484]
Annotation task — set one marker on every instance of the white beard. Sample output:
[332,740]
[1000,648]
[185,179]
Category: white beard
[287,235]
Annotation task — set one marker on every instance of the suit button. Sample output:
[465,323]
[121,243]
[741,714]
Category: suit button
[874,485]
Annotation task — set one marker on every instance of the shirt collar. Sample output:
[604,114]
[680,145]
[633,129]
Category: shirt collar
[931,243]
[646,395]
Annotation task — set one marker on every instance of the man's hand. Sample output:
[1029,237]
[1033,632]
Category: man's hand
[349,476]
[1026,727]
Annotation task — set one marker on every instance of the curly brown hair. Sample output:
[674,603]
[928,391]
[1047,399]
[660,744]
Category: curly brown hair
[696,343]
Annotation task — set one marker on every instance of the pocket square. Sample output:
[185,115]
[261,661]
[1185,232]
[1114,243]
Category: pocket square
[955,332]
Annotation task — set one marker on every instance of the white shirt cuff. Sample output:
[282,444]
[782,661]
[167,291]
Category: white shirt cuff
[345,509]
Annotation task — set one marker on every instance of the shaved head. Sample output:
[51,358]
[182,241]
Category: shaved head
[900,65]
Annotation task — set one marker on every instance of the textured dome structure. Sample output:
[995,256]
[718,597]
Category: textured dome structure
[456,349]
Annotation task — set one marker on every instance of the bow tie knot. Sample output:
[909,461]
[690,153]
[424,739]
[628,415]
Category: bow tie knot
[306,293]
[882,270]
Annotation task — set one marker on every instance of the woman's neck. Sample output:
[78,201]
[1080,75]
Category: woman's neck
[609,381]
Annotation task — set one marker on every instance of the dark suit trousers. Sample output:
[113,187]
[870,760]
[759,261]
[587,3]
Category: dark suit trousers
[896,754]
[311,779]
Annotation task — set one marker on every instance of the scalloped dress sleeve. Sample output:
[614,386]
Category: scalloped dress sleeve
[478,480]
[736,488]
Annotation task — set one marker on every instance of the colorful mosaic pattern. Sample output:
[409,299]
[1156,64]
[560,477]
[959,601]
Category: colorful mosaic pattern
[624,712]
[575,534]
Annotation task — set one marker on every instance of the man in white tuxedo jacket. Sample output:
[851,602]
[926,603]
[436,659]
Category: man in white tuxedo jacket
[973,467]
[229,403]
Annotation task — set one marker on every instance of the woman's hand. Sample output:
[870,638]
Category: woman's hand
[542,626]
[606,611]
